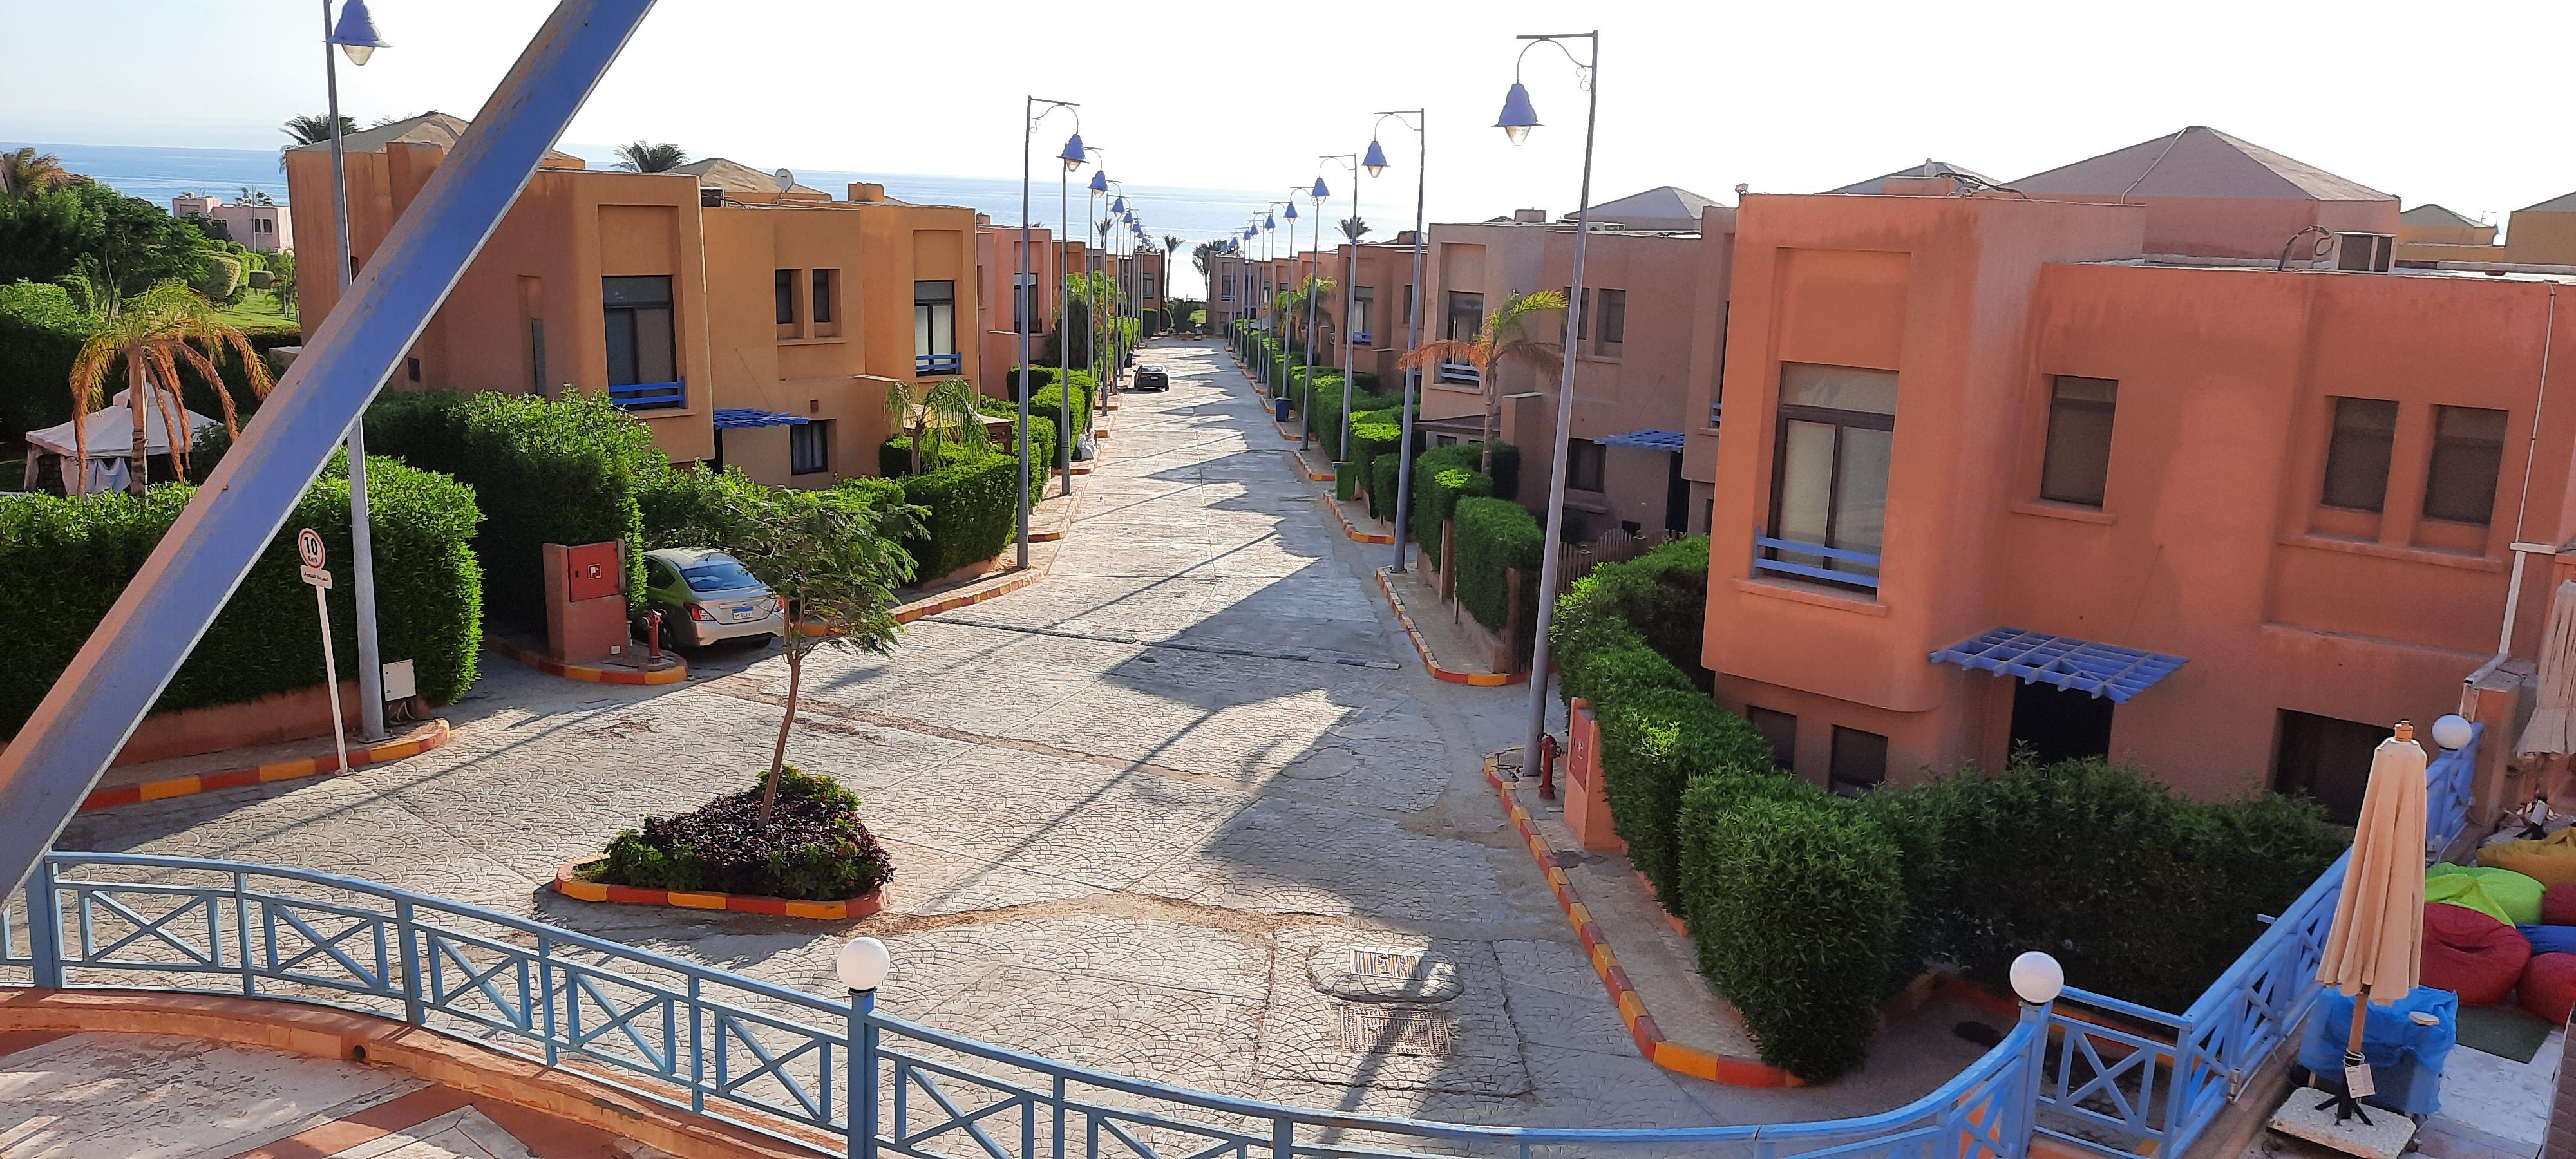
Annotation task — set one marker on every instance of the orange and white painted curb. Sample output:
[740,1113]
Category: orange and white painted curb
[677,672]
[1423,648]
[375,754]
[1663,1052]
[1353,532]
[568,883]
[907,613]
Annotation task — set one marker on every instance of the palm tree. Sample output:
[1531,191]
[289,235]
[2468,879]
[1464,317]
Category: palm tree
[1294,302]
[1353,227]
[153,335]
[1504,338]
[315,128]
[647,157]
[250,196]
[1203,256]
[27,171]
[944,416]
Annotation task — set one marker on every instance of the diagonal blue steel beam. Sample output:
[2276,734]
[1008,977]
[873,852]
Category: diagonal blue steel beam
[57,757]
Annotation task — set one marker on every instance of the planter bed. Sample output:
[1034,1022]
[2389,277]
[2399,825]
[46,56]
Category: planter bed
[577,880]
[807,857]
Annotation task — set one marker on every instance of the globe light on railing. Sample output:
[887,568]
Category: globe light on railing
[1518,116]
[1073,155]
[863,964]
[1375,162]
[356,33]
[2037,978]
[2453,732]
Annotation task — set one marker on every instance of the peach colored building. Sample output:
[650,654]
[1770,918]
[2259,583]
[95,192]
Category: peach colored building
[743,326]
[998,310]
[2535,235]
[266,228]
[2266,513]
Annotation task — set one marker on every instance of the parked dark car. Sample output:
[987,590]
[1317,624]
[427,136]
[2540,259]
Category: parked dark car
[1152,376]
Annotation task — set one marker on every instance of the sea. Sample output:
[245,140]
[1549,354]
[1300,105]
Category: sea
[158,174]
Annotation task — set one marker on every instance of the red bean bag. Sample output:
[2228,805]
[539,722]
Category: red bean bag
[2558,905]
[2471,955]
[2549,987]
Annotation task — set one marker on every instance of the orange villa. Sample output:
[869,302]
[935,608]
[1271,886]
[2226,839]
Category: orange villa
[746,325]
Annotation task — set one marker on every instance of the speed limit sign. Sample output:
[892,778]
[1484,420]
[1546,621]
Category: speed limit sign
[308,543]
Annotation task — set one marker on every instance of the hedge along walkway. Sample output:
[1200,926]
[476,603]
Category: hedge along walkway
[1438,636]
[1044,546]
[255,765]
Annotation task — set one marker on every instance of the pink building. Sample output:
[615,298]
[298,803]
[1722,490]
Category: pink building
[259,225]
[999,307]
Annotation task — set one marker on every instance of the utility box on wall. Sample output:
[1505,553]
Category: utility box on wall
[585,601]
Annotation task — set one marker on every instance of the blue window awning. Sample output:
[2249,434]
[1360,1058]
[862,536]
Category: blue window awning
[735,418]
[1646,439]
[2039,658]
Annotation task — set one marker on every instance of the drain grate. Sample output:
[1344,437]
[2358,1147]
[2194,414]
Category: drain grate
[1417,1033]
[1384,963]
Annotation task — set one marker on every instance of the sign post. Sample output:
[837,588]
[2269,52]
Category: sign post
[309,545]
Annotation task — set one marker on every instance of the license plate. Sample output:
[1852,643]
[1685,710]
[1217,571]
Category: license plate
[745,609]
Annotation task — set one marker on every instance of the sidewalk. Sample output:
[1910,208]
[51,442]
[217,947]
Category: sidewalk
[1449,649]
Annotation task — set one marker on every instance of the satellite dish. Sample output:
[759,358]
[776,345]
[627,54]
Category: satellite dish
[786,180]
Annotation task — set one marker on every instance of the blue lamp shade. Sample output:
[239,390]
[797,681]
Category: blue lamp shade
[1375,162]
[1271,221]
[1073,155]
[1321,192]
[1117,205]
[356,32]
[1292,211]
[1518,116]
[1247,233]
[1100,181]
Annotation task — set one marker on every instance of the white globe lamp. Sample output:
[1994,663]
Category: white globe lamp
[2453,732]
[2037,978]
[863,964]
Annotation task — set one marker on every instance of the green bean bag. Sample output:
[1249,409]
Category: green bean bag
[2502,894]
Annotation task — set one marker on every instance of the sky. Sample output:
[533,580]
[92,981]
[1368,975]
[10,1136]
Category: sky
[1778,97]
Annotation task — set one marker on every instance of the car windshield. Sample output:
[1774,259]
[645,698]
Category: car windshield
[717,573]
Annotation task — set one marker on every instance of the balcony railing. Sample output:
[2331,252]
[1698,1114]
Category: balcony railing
[650,395]
[1771,554]
[938,363]
[1460,372]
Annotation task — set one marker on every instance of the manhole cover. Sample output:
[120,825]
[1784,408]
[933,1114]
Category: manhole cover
[1384,963]
[1384,1030]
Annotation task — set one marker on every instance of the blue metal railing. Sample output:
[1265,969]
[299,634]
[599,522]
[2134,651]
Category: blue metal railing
[938,363]
[1777,547]
[1459,372]
[793,1066]
[650,395]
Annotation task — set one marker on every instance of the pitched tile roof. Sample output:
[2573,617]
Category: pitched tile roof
[1929,168]
[2199,161]
[430,128]
[2431,214]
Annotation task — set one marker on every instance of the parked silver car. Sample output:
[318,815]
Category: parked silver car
[705,595]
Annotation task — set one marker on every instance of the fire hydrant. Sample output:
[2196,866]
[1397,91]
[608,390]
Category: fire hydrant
[1547,767]
[653,636]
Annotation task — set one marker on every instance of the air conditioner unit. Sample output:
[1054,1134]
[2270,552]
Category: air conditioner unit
[2363,253]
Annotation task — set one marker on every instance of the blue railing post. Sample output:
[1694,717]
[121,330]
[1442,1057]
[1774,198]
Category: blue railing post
[45,925]
[863,1075]
[2037,980]
[413,1011]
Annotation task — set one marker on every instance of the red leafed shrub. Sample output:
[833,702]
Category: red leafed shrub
[812,848]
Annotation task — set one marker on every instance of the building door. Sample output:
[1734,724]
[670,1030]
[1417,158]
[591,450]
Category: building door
[1676,497]
[2060,724]
[2326,759]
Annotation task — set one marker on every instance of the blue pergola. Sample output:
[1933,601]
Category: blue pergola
[1646,439]
[734,418]
[2083,665]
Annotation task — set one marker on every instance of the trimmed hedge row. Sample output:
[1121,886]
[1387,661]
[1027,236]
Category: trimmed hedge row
[64,562]
[1495,535]
[1441,477]
[972,511]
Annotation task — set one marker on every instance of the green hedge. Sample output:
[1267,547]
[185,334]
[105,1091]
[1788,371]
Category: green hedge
[1495,535]
[64,563]
[1040,378]
[41,332]
[565,471]
[1654,742]
[1383,482]
[973,510]
[1441,477]
[1662,596]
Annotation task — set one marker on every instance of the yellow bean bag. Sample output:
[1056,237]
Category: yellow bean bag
[2502,894]
[2549,860]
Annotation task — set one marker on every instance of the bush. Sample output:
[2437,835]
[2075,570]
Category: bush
[1040,378]
[1661,597]
[972,511]
[64,563]
[41,331]
[1654,742]
[550,471]
[1441,477]
[812,849]
[1495,535]
[1041,440]
[1383,482]
[1793,900]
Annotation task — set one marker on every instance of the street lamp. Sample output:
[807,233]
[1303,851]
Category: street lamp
[862,966]
[1517,119]
[356,35]
[1305,299]
[1375,162]
[1350,296]
[1073,157]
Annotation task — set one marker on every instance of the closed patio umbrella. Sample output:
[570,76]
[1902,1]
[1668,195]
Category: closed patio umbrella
[2374,948]
[2553,714]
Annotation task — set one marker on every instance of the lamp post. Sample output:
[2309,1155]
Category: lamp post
[355,34]
[1021,307]
[1516,121]
[862,966]
[1350,296]
[1305,293]
[1064,322]
[1376,165]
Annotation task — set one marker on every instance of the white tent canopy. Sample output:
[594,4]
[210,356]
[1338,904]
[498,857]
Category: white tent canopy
[111,431]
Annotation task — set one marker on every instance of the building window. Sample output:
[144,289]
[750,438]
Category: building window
[1228,283]
[1583,463]
[1860,762]
[1408,305]
[934,319]
[1025,302]
[1583,323]
[786,284]
[1613,329]
[1149,285]
[1779,730]
[1466,316]
[2468,453]
[809,447]
[1363,305]
[2326,759]
[1837,433]
[2365,429]
[638,318]
[823,280]
[2078,460]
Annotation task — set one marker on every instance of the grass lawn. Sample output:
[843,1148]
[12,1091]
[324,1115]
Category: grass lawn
[257,311]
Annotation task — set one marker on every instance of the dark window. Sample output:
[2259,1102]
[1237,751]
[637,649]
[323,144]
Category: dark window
[1717,389]
[1408,305]
[1583,462]
[537,357]
[786,283]
[638,320]
[1837,433]
[1025,301]
[934,318]
[1582,325]
[1779,730]
[2327,759]
[1614,322]
[809,447]
[1860,761]
[1149,285]
[1466,316]
[411,369]
[823,294]
[2057,724]
[2078,460]
[2468,453]
[2357,459]
[1363,305]
[1227,282]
